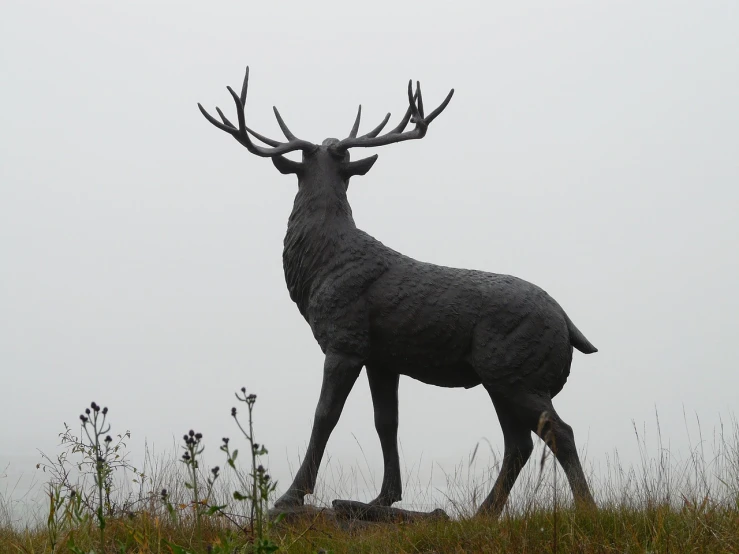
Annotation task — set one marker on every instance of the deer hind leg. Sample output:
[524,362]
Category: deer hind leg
[531,407]
[340,371]
[384,389]
[518,448]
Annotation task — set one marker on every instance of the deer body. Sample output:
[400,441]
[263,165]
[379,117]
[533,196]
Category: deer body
[429,322]
[372,307]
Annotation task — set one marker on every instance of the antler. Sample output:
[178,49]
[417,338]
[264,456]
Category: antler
[241,133]
[414,113]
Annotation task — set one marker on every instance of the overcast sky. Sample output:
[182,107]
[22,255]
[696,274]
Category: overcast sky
[591,148]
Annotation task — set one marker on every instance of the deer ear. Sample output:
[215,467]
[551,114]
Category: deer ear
[287,166]
[359,167]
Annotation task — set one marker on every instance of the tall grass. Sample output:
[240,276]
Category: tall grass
[98,502]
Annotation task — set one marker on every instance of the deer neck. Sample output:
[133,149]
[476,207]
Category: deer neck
[318,229]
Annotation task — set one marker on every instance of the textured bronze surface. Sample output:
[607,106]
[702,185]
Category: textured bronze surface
[370,306]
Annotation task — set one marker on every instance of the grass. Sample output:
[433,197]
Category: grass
[659,529]
[98,502]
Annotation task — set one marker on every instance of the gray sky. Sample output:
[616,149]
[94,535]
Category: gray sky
[591,148]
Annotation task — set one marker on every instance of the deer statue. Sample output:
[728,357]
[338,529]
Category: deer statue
[370,306]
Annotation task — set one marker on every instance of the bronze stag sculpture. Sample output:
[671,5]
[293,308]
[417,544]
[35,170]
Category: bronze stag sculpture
[370,306]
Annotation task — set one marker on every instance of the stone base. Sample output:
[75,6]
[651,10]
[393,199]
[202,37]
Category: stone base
[348,512]
[351,509]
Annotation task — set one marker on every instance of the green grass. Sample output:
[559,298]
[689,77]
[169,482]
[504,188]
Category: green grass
[661,505]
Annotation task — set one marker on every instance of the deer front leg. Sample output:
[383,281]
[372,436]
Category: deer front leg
[340,372]
[384,389]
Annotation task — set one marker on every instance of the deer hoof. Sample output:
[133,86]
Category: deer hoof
[290,499]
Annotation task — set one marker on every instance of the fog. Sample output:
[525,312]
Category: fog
[591,148]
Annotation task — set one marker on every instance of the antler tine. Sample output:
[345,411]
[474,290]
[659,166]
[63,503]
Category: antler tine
[433,115]
[416,116]
[244,87]
[415,113]
[239,110]
[265,140]
[355,128]
[224,118]
[241,133]
[214,121]
[420,97]
[376,131]
[403,122]
[285,131]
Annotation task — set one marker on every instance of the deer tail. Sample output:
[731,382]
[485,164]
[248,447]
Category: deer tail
[578,340]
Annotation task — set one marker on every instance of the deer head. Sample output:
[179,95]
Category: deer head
[329,161]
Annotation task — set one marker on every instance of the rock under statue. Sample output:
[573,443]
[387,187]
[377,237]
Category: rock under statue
[370,306]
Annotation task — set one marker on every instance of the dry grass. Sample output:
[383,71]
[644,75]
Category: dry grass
[705,528]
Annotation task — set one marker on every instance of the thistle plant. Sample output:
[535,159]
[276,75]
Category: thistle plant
[193,450]
[258,487]
[72,501]
[94,426]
